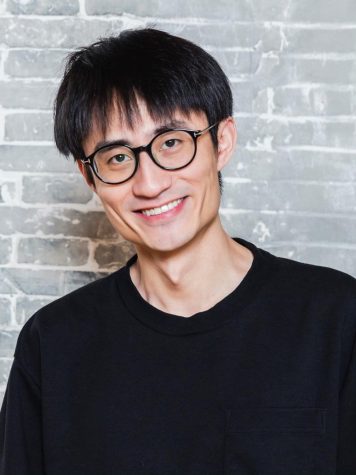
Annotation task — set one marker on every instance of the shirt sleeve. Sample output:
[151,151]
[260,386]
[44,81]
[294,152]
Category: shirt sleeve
[20,416]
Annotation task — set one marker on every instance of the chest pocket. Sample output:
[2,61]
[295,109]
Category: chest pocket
[273,441]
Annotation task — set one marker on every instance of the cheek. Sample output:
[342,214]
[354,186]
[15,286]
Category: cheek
[110,197]
[205,183]
[203,167]
[206,174]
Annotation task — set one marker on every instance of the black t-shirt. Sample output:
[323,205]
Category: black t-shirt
[263,383]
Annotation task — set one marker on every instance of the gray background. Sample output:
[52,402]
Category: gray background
[290,188]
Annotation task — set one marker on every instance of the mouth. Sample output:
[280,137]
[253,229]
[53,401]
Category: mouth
[161,209]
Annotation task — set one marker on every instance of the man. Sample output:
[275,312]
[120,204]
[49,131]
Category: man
[204,354]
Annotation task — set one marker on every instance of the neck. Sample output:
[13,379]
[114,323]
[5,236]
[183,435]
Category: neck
[194,278]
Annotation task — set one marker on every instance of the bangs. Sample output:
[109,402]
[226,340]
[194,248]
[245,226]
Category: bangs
[128,112]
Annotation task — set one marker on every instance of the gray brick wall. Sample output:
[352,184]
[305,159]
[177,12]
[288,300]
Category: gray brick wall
[290,189]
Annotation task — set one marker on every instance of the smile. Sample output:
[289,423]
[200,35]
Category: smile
[162,209]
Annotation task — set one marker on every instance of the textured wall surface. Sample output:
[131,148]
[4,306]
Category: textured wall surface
[290,189]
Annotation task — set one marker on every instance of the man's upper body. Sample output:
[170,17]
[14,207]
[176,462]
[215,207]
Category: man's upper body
[204,354]
[263,382]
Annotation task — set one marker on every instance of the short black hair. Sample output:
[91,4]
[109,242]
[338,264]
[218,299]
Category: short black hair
[168,72]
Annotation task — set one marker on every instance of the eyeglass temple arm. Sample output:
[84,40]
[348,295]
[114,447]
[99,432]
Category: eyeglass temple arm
[201,132]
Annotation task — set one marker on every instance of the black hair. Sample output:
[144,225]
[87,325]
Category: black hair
[168,72]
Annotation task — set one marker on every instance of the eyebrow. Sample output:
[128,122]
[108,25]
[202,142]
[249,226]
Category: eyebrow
[172,124]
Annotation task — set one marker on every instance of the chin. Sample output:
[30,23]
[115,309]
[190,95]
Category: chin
[165,245]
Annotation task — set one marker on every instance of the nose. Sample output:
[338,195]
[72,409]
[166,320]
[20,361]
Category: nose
[150,180]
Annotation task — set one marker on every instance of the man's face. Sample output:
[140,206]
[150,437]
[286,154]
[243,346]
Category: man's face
[195,187]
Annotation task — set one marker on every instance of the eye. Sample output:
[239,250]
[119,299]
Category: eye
[119,158]
[170,143]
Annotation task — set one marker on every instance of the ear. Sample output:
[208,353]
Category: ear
[227,137]
[86,172]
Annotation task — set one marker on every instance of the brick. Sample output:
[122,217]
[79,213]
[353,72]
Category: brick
[353,102]
[7,191]
[319,11]
[56,189]
[52,251]
[239,64]
[272,40]
[292,164]
[284,70]
[5,311]
[225,9]
[54,221]
[281,133]
[48,32]
[288,227]
[74,280]
[113,255]
[5,250]
[291,196]
[43,7]
[211,35]
[27,95]
[226,35]
[34,158]
[319,40]
[296,101]
[338,134]
[28,306]
[44,282]
[29,126]
[323,229]
[244,94]
[29,281]
[262,102]
[336,258]
[74,32]
[44,63]
[8,339]
[254,131]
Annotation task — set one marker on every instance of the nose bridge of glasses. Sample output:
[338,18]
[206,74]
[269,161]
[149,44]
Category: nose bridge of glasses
[143,148]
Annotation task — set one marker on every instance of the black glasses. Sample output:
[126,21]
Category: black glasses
[171,150]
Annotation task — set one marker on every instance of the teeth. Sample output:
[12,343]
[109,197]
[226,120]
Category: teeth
[162,209]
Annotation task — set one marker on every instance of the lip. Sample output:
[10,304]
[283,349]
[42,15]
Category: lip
[166,215]
[159,205]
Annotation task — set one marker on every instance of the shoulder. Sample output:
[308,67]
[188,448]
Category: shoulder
[68,322]
[73,310]
[310,289]
[297,277]
[306,277]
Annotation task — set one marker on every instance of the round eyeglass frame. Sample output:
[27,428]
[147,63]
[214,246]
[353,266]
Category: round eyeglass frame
[89,160]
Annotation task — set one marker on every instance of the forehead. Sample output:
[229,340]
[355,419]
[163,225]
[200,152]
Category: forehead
[140,126]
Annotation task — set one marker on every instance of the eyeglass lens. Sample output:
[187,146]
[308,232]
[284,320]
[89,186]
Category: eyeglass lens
[172,150]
